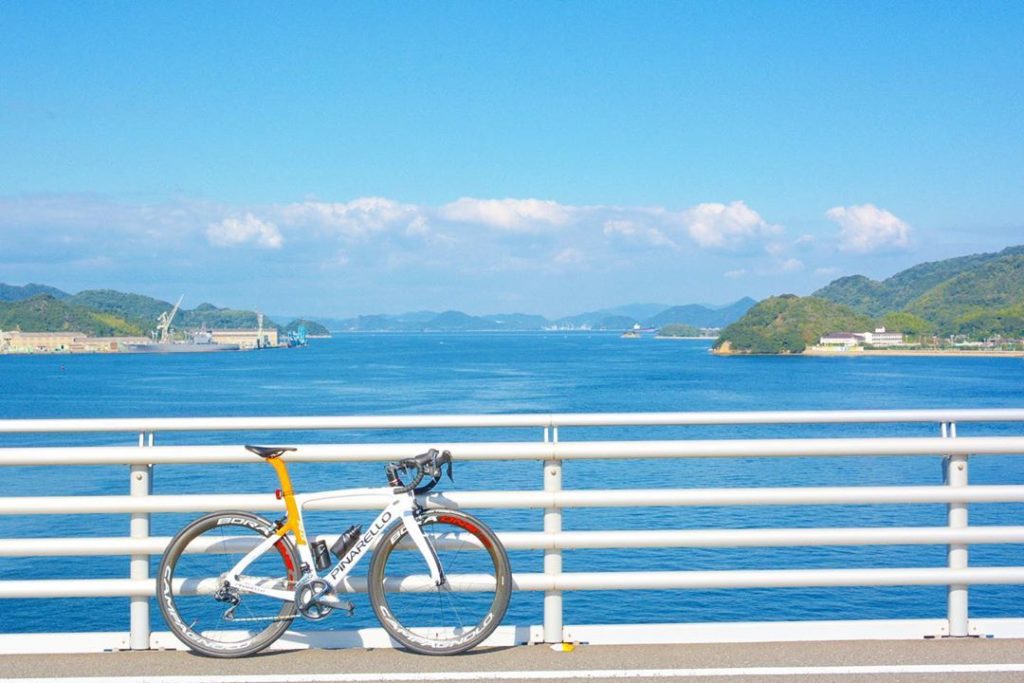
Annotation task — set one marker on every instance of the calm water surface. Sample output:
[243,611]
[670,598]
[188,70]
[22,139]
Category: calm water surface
[509,373]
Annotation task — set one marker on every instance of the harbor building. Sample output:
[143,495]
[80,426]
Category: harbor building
[247,338]
[38,342]
[16,341]
[104,344]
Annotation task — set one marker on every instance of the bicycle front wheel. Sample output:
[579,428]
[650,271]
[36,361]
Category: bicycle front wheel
[460,613]
[205,613]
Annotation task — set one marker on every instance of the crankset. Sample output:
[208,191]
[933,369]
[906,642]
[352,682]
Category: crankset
[315,599]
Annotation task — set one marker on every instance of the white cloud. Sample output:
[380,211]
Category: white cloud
[867,228]
[726,226]
[418,227]
[518,215]
[636,232]
[791,265]
[359,218]
[734,274]
[236,231]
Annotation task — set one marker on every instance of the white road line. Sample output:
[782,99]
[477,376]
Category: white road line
[552,675]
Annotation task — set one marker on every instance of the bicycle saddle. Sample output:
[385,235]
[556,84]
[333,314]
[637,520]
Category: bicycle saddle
[269,452]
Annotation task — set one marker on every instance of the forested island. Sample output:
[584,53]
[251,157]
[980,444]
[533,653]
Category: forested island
[680,330]
[969,302]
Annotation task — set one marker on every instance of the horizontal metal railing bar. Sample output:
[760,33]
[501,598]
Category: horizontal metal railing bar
[769,578]
[538,540]
[562,450]
[809,495]
[648,580]
[327,422]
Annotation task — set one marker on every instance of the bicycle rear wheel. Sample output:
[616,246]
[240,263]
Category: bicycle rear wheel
[462,612]
[196,603]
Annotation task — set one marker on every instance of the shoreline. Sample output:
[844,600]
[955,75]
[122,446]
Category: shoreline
[670,336]
[955,353]
[915,353]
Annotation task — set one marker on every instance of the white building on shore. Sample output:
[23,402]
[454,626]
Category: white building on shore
[880,337]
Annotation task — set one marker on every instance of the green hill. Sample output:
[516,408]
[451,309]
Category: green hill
[915,289]
[313,329]
[105,312]
[981,296]
[145,310]
[992,286]
[788,324]
[136,307]
[44,313]
[20,293]
[213,317]
[678,330]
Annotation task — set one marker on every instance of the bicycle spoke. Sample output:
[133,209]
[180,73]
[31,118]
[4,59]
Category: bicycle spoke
[227,621]
[441,619]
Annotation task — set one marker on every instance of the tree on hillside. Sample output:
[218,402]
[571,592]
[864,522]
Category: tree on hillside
[908,323]
[789,324]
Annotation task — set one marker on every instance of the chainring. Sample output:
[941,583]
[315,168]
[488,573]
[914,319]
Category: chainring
[306,594]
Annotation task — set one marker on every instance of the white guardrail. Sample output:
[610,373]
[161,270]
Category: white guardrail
[552,499]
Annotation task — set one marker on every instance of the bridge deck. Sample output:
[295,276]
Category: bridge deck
[974,660]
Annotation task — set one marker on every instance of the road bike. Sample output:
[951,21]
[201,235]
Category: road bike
[230,583]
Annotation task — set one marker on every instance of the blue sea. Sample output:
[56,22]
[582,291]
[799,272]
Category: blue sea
[399,374]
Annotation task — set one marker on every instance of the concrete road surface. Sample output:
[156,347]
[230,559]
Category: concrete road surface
[969,660]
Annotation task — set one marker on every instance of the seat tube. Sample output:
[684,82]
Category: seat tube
[293,522]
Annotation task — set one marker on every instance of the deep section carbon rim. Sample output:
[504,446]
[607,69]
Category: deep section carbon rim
[459,614]
[213,619]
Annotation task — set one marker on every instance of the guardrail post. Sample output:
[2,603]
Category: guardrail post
[552,557]
[141,485]
[956,598]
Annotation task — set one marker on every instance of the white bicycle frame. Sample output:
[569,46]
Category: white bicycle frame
[401,507]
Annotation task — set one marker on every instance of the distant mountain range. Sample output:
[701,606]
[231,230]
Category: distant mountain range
[978,296]
[102,312]
[616,318]
[106,312]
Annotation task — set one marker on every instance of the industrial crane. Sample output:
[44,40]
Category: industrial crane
[164,322]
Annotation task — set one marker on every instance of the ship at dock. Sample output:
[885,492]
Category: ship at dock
[198,342]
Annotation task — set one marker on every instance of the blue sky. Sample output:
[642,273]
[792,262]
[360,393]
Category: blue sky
[542,157]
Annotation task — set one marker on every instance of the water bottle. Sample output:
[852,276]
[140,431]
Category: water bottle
[346,540]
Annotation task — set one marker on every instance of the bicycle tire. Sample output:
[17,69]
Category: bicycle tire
[435,620]
[198,620]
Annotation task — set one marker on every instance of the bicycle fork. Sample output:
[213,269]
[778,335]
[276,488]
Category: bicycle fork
[425,547]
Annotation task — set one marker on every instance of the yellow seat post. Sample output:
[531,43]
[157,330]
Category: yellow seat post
[293,518]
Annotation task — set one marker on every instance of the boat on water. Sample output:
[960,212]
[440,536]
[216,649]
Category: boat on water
[198,342]
[201,342]
[635,332]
